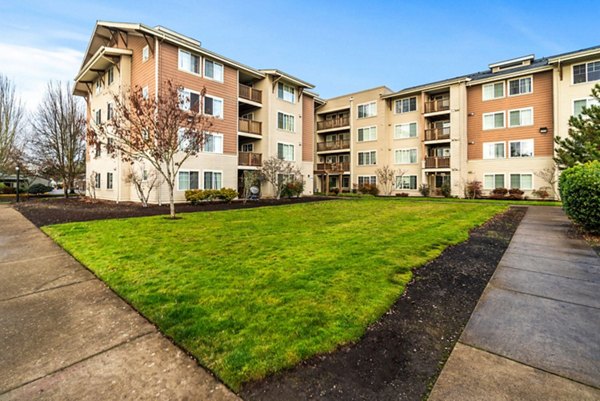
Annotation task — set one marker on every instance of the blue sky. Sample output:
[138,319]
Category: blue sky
[339,46]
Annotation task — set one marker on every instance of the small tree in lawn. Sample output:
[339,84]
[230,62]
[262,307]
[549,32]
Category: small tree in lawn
[279,173]
[163,131]
[385,176]
[583,143]
[143,181]
[250,178]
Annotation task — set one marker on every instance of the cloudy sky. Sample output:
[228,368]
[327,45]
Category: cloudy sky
[340,46]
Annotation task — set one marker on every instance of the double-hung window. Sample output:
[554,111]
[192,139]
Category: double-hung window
[285,121]
[189,100]
[367,158]
[98,116]
[213,70]
[493,120]
[145,53]
[520,117]
[213,106]
[493,91]
[408,130]
[213,143]
[520,86]
[493,150]
[109,180]
[367,134]
[406,105]
[367,179]
[521,181]
[187,180]
[367,110]
[406,182]
[586,72]
[493,181]
[189,62]
[286,92]
[213,180]
[285,151]
[405,156]
[579,104]
[521,148]
[109,111]
[111,75]
[98,180]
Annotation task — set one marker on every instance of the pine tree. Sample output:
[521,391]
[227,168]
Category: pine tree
[583,143]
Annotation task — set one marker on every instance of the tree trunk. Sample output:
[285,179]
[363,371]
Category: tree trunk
[65,189]
[171,202]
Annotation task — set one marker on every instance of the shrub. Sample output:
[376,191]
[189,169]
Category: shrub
[294,188]
[370,189]
[515,193]
[195,196]
[227,194]
[37,189]
[8,190]
[498,193]
[579,188]
[402,194]
[424,189]
[446,190]
[541,193]
[473,189]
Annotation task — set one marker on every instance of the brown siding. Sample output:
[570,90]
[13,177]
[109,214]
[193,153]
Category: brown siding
[142,73]
[308,127]
[541,102]
[228,90]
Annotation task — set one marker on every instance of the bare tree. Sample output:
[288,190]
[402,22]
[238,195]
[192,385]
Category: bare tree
[550,175]
[143,181]
[57,145]
[91,185]
[250,178]
[11,117]
[387,176]
[279,173]
[164,131]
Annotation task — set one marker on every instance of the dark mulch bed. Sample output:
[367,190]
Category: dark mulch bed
[43,212]
[401,355]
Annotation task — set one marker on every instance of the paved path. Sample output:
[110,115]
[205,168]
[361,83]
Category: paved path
[65,336]
[535,333]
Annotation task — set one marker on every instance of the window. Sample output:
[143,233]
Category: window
[187,180]
[213,70]
[493,150]
[367,110]
[213,106]
[98,150]
[521,148]
[406,105]
[521,117]
[213,143]
[521,181]
[586,72]
[367,179]
[98,86]
[109,111]
[189,100]
[285,151]
[405,156]
[367,158]
[98,116]
[519,86]
[189,62]
[406,182]
[493,91]
[286,92]
[285,121]
[145,53]
[184,141]
[109,180]
[145,92]
[405,131]
[367,134]
[493,181]
[98,180]
[213,180]
[493,120]
[578,105]
[111,75]
[248,147]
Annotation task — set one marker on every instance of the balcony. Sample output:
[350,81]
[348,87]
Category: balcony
[333,123]
[437,162]
[249,93]
[437,134]
[437,105]
[333,167]
[249,159]
[250,126]
[333,145]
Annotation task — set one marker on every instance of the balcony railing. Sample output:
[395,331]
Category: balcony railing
[437,105]
[436,134]
[334,167]
[437,162]
[250,126]
[333,123]
[333,145]
[249,159]
[249,93]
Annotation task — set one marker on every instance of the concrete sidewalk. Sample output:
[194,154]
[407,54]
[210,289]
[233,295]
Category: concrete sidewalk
[535,333]
[65,336]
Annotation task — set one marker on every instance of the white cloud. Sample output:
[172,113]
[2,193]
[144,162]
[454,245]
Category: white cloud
[31,68]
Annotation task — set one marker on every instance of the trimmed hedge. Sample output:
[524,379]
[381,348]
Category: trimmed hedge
[580,192]
[195,196]
[37,189]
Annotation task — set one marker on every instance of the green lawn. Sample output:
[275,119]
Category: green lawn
[249,292]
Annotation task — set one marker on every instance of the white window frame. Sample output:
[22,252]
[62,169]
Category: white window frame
[369,177]
[520,174]
[217,135]
[190,54]
[247,147]
[520,141]
[213,172]
[400,150]
[366,104]
[589,101]
[586,72]
[494,145]
[508,81]
[503,83]
[146,53]
[291,91]
[370,158]
[98,179]
[206,60]
[145,92]
[493,113]
[186,106]
[110,76]
[98,86]
[284,145]
[519,110]
[221,116]
[406,124]
[494,179]
[188,171]
[402,186]
[111,181]
[293,120]
[403,99]
[371,128]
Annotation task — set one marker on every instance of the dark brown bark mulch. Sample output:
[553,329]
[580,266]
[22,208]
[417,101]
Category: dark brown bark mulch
[401,355]
[43,212]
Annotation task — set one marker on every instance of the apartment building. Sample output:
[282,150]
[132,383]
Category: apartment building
[495,126]
[257,114]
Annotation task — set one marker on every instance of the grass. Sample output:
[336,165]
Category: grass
[463,200]
[249,292]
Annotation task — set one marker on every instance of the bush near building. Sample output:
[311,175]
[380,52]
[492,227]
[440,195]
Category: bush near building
[580,192]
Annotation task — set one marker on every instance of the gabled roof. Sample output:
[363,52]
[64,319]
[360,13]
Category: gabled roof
[594,50]
[288,77]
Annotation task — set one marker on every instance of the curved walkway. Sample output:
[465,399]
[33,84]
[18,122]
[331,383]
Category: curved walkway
[535,333]
[65,336]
